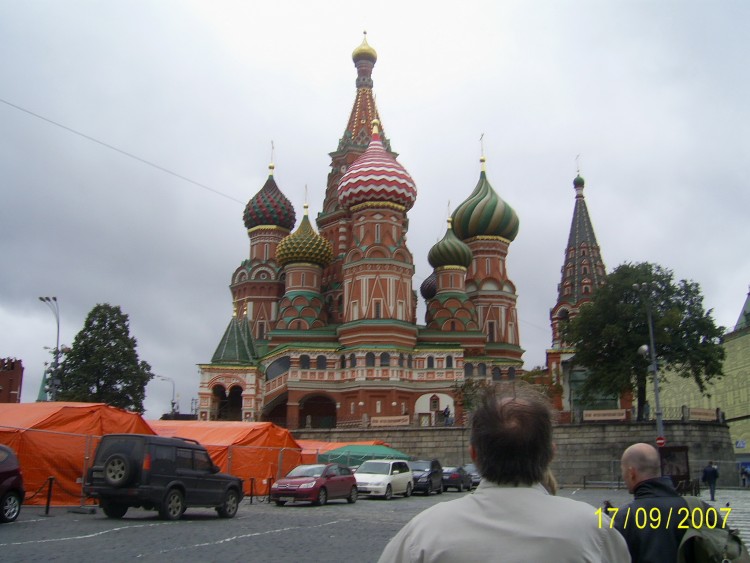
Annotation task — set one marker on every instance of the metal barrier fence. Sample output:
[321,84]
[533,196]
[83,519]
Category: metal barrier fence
[606,473]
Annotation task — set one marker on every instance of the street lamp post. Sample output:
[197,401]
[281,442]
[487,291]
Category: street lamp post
[54,382]
[650,349]
[173,403]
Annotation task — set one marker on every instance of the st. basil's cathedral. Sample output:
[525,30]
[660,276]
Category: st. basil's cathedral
[324,331]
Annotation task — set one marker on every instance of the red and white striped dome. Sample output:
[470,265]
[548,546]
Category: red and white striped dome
[376,176]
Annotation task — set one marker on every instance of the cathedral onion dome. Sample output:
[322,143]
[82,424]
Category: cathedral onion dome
[269,207]
[304,245]
[376,176]
[364,51]
[578,181]
[450,251]
[484,213]
[428,289]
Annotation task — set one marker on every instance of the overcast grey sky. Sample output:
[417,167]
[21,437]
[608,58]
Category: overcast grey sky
[652,95]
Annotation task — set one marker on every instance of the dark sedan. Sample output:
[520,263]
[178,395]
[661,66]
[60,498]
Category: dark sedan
[11,485]
[427,475]
[472,470]
[456,478]
[317,483]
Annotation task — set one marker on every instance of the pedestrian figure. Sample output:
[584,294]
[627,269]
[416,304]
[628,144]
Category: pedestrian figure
[710,476]
[446,415]
[510,517]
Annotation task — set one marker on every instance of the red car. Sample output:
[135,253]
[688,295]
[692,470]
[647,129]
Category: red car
[11,485]
[317,483]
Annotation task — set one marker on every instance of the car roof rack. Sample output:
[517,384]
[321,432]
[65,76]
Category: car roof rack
[187,440]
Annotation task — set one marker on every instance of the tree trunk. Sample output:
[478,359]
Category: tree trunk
[640,384]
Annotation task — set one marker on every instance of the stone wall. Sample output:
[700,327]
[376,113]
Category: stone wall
[589,451]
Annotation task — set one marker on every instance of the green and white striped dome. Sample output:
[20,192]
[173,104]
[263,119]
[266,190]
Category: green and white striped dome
[484,213]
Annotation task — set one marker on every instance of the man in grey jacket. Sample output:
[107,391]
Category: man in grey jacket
[510,517]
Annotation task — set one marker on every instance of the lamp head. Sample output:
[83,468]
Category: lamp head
[643,350]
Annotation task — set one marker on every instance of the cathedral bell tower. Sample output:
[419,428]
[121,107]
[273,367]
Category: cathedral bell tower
[378,268]
[333,220]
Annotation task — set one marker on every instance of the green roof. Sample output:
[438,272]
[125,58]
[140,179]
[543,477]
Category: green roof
[744,320]
[355,454]
[236,346]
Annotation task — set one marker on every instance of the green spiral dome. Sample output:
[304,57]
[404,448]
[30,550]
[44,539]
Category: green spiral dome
[450,251]
[484,213]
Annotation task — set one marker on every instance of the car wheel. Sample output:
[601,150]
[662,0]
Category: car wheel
[388,493]
[353,495]
[173,505]
[280,502]
[322,497]
[407,494]
[460,487]
[113,509]
[117,470]
[10,506]
[230,505]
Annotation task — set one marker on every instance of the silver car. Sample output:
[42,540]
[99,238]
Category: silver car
[384,478]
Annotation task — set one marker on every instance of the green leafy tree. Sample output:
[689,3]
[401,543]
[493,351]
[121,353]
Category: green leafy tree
[539,377]
[468,392]
[608,332]
[102,366]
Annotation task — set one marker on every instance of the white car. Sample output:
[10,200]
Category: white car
[384,478]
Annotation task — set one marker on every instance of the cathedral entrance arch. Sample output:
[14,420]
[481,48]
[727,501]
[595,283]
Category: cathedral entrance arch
[275,411]
[226,406]
[317,411]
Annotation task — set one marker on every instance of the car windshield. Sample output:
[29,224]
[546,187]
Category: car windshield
[420,465]
[471,468]
[449,469]
[376,467]
[307,471]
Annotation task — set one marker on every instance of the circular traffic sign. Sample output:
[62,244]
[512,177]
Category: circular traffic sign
[661,441]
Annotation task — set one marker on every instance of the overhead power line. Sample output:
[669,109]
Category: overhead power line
[123,152]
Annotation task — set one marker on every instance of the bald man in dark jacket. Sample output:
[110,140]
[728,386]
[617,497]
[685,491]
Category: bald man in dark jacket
[647,541]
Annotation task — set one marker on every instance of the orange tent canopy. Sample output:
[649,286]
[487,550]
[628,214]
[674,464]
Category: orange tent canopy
[54,439]
[258,452]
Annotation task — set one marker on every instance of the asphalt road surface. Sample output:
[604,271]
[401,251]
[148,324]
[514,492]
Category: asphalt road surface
[337,532]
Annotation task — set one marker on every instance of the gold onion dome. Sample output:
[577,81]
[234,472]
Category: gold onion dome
[364,51]
[270,207]
[376,176]
[304,245]
[450,251]
[484,213]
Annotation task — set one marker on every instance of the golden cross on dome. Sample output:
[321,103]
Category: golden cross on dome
[481,158]
[578,164]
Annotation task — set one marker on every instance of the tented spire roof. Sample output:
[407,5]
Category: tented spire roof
[236,346]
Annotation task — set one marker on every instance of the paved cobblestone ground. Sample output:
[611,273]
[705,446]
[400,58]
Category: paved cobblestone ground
[338,532]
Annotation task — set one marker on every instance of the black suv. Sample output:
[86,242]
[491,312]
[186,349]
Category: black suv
[428,475]
[165,474]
